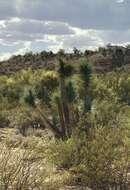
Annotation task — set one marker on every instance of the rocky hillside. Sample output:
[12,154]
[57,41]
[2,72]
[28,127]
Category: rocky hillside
[105,59]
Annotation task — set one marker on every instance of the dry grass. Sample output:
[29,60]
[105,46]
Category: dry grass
[23,165]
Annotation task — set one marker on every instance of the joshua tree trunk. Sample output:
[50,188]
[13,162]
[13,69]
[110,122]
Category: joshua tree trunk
[49,125]
[62,121]
[65,108]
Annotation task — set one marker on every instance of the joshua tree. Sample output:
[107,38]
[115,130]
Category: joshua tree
[62,117]
[85,74]
[76,52]
[65,70]
[61,53]
[118,57]
[30,99]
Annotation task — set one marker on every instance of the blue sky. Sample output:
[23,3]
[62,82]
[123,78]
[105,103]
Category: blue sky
[36,25]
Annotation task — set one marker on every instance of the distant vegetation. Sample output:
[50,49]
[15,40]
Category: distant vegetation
[65,120]
[104,59]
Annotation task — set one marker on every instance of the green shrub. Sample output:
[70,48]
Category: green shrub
[99,160]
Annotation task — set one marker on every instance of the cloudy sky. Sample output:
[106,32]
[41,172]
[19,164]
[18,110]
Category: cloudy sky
[36,25]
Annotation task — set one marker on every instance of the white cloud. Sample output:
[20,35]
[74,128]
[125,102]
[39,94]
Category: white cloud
[120,1]
[26,48]
[5,56]
[17,29]
[53,24]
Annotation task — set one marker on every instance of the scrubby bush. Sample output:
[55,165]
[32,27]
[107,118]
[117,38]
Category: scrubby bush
[19,169]
[99,160]
[22,169]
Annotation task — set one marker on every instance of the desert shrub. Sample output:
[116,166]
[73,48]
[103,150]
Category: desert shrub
[13,140]
[100,89]
[27,120]
[21,118]
[19,169]
[124,89]
[4,122]
[109,113]
[63,158]
[99,160]
[11,89]
[22,169]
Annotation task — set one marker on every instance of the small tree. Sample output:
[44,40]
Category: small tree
[85,75]
[65,70]
[30,99]
[118,57]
